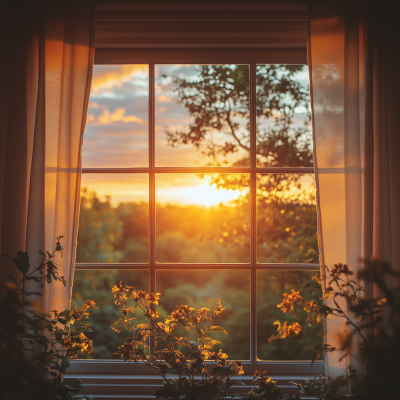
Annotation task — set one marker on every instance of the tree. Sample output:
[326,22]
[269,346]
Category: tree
[99,230]
[219,100]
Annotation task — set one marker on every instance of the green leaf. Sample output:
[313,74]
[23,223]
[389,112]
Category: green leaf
[217,329]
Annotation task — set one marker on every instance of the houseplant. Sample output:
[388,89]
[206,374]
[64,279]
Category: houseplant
[377,336]
[373,328]
[35,347]
[180,361]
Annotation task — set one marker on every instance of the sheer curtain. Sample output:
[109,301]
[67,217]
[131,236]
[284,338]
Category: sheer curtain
[47,60]
[354,68]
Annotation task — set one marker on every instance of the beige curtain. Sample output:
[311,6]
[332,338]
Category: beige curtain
[47,52]
[354,73]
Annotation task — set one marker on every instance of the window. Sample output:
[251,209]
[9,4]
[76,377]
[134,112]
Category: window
[198,183]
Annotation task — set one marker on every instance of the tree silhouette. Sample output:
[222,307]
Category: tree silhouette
[218,101]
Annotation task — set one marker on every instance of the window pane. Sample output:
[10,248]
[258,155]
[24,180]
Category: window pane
[271,285]
[202,219]
[284,137]
[202,115]
[197,289]
[286,219]
[114,219]
[116,134]
[96,285]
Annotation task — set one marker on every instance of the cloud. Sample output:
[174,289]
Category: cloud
[118,116]
[163,98]
[108,76]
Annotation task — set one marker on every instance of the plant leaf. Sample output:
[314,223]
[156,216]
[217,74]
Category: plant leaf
[217,329]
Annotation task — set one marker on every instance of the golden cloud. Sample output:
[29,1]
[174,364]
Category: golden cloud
[163,98]
[105,79]
[118,116]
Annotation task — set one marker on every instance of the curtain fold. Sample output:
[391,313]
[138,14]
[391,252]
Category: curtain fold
[353,56]
[49,48]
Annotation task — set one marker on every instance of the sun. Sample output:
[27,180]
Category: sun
[190,189]
[208,196]
[204,194]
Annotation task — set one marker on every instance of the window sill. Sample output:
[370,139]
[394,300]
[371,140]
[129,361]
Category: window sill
[114,379]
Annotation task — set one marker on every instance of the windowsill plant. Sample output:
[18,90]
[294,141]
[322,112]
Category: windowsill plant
[186,375]
[35,347]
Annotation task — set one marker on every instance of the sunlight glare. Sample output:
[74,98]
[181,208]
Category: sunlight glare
[203,194]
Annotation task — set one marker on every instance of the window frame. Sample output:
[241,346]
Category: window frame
[108,370]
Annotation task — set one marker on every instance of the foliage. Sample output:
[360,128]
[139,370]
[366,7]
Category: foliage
[99,231]
[286,215]
[97,285]
[298,305]
[168,359]
[183,287]
[35,347]
[219,98]
[265,388]
[185,373]
[373,328]
[300,337]
[193,378]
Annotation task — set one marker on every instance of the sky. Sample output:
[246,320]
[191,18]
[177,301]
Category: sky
[116,135]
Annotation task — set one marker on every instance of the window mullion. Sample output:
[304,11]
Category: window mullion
[253,205]
[152,202]
[211,266]
[152,205]
[199,170]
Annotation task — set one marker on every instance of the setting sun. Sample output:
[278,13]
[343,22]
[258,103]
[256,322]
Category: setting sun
[203,194]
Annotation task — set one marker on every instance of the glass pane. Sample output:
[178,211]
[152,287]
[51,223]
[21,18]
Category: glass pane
[271,285]
[286,219]
[197,289]
[284,137]
[114,219]
[96,285]
[116,133]
[202,115]
[202,218]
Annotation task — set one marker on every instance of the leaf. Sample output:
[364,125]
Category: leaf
[217,329]
[40,339]
[22,262]
[12,279]
[218,370]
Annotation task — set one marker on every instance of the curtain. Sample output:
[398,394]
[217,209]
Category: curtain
[46,69]
[353,55]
